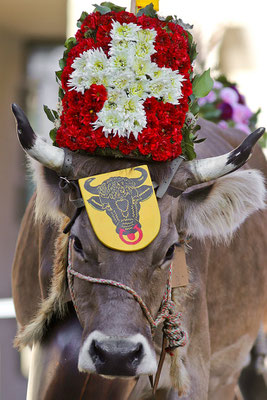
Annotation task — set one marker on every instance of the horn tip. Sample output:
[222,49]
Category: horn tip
[25,132]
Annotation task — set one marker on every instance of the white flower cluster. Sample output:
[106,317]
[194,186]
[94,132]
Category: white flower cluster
[129,77]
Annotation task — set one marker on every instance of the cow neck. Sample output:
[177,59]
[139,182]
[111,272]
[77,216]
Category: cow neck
[173,335]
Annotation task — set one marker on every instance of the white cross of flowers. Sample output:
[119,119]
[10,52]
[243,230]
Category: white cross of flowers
[129,76]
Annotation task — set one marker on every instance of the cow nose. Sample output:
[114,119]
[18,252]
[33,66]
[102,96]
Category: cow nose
[116,357]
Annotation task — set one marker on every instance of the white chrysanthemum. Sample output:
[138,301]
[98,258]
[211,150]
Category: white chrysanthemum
[132,105]
[120,45]
[142,67]
[111,121]
[124,31]
[147,35]
[135,123]
[78,81]
[115,99]
[144,49]
[139,87]
[121,60]
[121,80]
[80,62]
[97,60]
[157,87]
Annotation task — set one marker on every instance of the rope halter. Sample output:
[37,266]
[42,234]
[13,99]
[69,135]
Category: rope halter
[171,320]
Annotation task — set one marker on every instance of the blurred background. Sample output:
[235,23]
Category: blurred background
[231,41]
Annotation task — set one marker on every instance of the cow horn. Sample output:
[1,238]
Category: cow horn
[50,156]
[139,181]
[89,188]
[207,169]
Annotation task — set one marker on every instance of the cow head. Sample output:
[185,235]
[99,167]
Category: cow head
[117,338]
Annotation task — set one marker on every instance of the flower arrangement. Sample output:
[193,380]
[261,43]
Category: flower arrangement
[126,86]
[227,107]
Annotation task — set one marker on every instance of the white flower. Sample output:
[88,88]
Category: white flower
[77,81]
[124,31]
[121,60]
[142,66]
[115,99]
[139,87]
[132,105]
[144,49]
[135,123]
[97,60]
[147,35]
[157,87]
[111,121]
[120,45]
[121,80]
[80,62]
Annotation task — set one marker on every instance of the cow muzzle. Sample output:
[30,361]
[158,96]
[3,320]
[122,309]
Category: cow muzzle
[117,356]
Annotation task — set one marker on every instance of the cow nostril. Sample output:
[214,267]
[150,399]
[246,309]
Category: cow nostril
[137,353]
[96,352]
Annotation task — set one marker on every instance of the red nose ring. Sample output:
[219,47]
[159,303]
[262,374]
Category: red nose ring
[131,236]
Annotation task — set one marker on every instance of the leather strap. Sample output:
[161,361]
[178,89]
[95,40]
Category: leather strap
[163,187]
[67,164]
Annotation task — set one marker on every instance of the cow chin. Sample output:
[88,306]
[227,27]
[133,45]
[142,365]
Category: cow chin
[113,356]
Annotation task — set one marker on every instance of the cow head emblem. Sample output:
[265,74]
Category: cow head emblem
[120,198]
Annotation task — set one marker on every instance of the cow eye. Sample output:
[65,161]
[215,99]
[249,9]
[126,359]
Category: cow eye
[77,245]
[170,253]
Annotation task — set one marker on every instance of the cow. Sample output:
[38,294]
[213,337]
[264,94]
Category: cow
[218,211]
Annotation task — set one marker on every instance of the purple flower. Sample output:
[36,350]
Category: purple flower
[241,98]
[217,85]
[210,98]
[241,113]
[229,95]
[227,111]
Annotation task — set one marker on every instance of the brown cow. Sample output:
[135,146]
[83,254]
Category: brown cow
[222,306]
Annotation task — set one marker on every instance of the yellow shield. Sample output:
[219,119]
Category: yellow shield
[122,208]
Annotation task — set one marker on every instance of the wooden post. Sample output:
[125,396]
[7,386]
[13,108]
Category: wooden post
[133,6]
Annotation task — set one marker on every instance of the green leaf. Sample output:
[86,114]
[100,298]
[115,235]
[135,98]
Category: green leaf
[62,63]
[102,9]
[54,112]
[58,75]
[49,114]
[53,134]
[188,144]
[202,84]
[84,14]
[148,10]
[194,107]
[61,93]
[70,43]
[112,6]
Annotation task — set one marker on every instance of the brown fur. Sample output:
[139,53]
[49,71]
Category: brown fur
[54,304]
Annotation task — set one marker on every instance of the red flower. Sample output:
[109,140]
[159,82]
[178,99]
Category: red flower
[161,139]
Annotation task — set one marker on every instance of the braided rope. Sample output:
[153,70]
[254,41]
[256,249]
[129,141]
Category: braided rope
[166,315]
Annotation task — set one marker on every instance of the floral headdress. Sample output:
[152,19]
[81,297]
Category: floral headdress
[126,86]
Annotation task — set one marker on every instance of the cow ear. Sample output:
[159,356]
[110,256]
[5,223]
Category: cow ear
[144,192]
[216,209]
[95,202]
